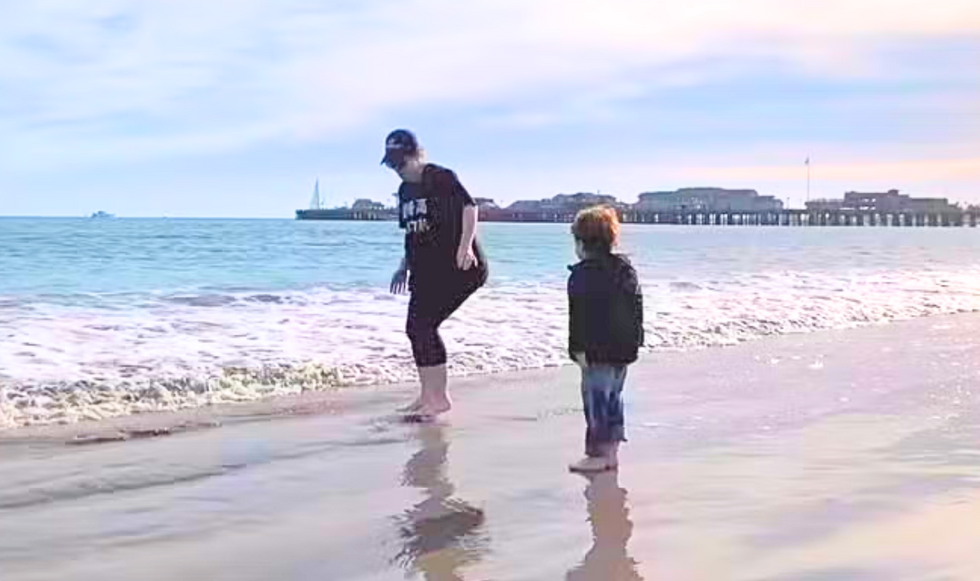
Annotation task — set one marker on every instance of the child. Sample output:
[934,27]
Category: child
[605,332]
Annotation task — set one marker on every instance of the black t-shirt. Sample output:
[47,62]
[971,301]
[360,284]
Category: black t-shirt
[431,213]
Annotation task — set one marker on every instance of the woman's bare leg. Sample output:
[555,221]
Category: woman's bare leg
[435,390]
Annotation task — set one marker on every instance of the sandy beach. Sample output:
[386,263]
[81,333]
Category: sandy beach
[836,455]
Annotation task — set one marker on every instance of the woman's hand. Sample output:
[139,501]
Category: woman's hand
[399,281]
[465,257]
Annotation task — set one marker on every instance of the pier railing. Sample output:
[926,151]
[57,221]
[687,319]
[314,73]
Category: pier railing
[696,217]
[805,218]
[345,214]
[776,218]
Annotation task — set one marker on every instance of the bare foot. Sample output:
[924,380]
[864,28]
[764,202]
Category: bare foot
[429,410]
[590,465]
[438,405]
[417,418]
[413,407]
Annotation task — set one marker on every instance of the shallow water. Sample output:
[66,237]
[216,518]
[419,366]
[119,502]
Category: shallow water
[101,318]
[745,464]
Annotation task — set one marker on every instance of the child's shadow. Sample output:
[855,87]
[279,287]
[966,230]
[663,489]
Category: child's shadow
[612,528]
[440,534]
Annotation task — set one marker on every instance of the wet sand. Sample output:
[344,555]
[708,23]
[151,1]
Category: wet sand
[831,456]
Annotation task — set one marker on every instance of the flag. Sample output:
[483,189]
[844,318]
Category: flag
[808,160]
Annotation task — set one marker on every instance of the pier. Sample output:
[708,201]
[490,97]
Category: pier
[347,214]
[804,218]
[798,218]
[703,207]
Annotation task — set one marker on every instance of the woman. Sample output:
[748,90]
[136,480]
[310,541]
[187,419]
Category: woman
[443,263]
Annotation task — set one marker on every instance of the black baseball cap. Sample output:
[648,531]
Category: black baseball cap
[399,144]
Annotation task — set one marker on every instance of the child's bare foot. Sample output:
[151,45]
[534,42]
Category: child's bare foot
[592,464]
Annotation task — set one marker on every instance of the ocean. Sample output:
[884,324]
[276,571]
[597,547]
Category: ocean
[103,318]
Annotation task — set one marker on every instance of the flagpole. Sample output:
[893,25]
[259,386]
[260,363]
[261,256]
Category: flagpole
[808,178]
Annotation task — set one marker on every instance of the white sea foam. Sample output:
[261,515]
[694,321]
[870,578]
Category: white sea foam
[121,355]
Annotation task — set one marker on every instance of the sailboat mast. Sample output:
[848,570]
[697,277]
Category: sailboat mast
[315,202]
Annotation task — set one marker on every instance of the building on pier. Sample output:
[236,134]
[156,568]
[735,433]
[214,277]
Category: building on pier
[486,203]
[368,205]
[564,203]
[890,202]
[707,200]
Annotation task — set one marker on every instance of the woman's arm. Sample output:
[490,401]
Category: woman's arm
[465,254]
[399,280]
[470,219]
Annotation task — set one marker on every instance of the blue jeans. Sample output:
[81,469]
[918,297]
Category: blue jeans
[602,399]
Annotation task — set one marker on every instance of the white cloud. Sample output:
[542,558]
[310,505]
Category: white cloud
[128,78]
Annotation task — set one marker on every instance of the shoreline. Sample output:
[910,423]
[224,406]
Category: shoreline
[282,385]
[111,345]
[834,455]
[342,399]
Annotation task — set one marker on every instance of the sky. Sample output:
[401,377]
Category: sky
[233,108]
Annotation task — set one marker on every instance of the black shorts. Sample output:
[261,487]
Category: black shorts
[433,300]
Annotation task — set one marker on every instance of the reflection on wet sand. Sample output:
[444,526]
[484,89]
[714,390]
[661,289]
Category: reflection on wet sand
[608,559]
[441,534]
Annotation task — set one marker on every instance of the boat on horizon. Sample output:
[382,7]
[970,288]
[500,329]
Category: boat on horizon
[362,210]
[101,214]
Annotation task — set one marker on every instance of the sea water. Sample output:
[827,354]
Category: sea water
[102,318]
